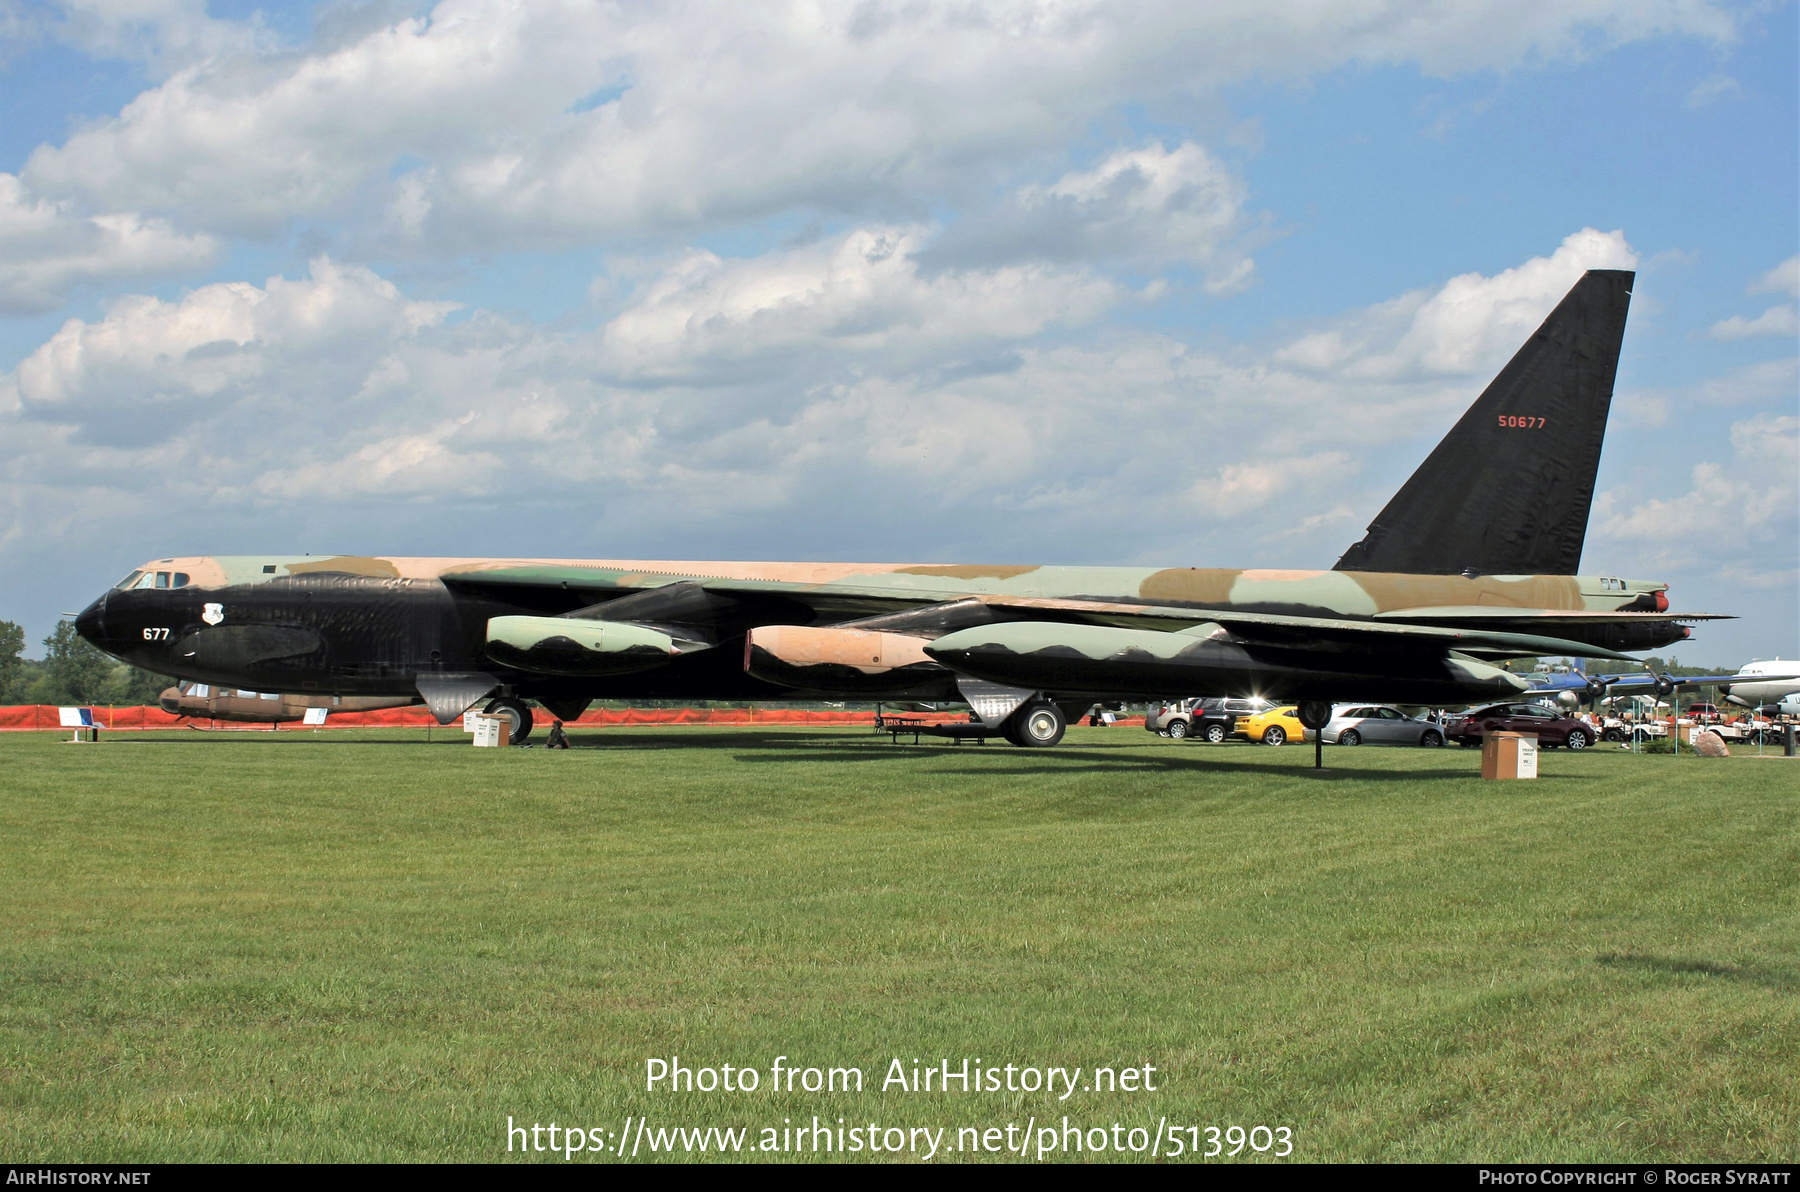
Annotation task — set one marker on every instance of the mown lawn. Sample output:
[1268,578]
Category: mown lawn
[361,946]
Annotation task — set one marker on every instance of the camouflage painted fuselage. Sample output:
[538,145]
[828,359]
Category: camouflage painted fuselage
[372,626]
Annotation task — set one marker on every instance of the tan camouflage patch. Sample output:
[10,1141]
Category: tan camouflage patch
[1393,591]
[1207,587]
[348,565]
[970,571]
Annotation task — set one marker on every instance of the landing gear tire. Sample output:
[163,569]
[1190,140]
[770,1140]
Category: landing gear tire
[516,711]
[1349,737]
[1214,733]
[1313,713]
[1274,735]
[1037,726]
[1179,729]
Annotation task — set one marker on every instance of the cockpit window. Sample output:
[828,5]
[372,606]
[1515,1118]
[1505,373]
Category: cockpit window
[162,579]
[127,582]
[179,580]
[149,580]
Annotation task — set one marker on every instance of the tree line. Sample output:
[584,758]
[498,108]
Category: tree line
[71,672]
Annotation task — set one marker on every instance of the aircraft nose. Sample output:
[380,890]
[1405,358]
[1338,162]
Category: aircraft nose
[91,624]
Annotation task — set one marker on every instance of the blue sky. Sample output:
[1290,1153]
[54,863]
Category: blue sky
[1057,283]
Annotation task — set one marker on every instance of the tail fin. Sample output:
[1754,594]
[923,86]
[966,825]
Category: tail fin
[1507,491]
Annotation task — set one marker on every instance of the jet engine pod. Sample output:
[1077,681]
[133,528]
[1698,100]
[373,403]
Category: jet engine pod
[562,646]
[849,661]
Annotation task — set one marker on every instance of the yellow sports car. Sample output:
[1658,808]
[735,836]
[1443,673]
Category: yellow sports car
[1277,726]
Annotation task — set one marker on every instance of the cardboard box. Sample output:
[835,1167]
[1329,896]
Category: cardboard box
[491,732]
[1509,755]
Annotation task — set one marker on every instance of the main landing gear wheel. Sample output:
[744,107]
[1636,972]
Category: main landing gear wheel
[1036,726]
[515,710]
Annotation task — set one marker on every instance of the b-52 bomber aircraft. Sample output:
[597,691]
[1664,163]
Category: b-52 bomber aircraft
[1473,562]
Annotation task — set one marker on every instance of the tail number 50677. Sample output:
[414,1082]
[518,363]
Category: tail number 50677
[1520,421]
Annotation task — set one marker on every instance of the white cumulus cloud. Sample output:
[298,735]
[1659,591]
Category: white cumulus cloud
[1781,320]
[46,250]
[1751,502]
[1777,320]
[490,123]
[291,349]
[1782,279]
[857,293]
[1472,323]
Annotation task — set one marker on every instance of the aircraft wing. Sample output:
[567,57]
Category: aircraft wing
[736,605]
[733,603]
[1678,682]
[1312,632]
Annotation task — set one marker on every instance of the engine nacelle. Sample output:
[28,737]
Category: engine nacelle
[565,646]
[849,661]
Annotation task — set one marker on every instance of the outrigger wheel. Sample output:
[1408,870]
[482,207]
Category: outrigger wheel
[515,710]
[1315,714]
[1036,726]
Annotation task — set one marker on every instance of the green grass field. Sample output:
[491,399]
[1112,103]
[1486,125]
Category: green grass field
[361,946]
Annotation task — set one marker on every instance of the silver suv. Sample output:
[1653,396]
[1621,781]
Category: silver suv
[1210,719]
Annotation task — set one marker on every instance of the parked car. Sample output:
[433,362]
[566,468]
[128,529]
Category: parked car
[1276,726]
[1704,713]
[1379,724]
[1209,719]
[1172,719]
[1551,727]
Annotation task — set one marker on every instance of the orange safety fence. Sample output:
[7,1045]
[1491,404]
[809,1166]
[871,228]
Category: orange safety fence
[27,717]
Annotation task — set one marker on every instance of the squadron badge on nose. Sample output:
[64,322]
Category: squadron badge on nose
[212,614]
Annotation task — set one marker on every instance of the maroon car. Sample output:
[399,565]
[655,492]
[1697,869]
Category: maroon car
[1550,727]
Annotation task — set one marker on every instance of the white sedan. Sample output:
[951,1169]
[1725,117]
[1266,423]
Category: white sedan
[1378,724]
